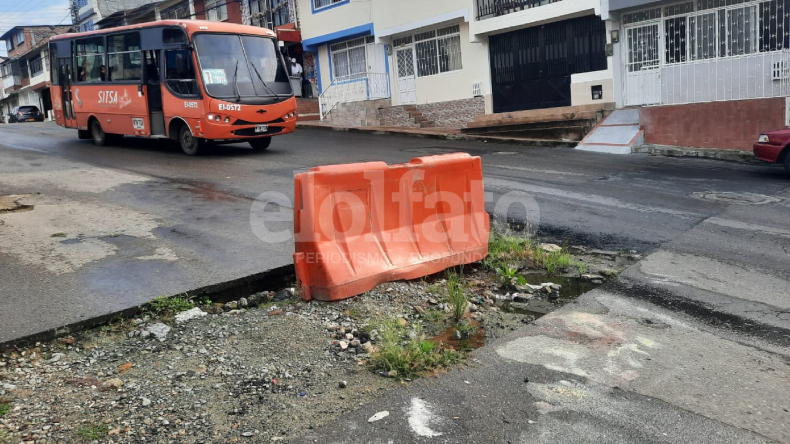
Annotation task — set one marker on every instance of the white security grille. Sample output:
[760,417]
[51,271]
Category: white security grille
[405,63]
[703,51]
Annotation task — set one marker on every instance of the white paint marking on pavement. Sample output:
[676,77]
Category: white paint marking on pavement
[747,226]
[592,199]
[420,418]
[379,416]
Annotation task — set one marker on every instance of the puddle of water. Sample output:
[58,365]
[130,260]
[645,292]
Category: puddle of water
[448,337]
[539,304]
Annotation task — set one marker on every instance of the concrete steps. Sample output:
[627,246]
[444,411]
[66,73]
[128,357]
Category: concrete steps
[307,109]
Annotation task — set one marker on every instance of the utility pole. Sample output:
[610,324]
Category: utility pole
[245,12]
[75,12]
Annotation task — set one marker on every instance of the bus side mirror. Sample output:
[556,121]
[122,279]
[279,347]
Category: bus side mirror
[140,89]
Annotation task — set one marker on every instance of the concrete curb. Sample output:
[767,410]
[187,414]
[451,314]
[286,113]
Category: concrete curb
[703,153]
[220,292]
[442,136]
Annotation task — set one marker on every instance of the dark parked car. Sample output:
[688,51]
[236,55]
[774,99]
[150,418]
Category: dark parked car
[25,114]
[774,147]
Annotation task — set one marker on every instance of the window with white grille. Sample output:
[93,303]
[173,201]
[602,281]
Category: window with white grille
[216,10]
[179,12]
[438,51]
[348,58]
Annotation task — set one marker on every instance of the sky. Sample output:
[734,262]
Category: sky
[31,12]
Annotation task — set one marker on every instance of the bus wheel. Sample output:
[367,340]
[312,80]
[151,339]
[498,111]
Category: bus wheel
[189,145]
[99,136]
[260,144]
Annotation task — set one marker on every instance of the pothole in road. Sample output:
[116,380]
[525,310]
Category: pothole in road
[10,204]
[736,198]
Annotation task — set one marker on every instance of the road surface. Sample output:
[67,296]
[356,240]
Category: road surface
[693,339]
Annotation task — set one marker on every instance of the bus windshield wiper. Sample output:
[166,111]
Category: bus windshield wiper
[277,96]
[235,85]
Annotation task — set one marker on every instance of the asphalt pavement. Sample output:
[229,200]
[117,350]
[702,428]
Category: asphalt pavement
[689,345]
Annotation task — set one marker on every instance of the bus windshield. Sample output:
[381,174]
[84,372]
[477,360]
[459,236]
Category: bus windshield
[238,66]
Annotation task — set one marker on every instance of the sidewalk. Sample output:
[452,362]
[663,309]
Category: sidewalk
[434,133]
[456,134]
[613,367]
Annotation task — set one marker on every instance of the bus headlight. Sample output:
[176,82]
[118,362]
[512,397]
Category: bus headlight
[210,117]
[227,119]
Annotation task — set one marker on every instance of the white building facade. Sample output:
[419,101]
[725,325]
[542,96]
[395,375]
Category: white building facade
[456,59]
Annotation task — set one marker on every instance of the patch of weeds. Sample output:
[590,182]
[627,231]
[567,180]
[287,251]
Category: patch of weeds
[558,260]
[408,352]
[466,328]
[455,294]
[510,276]
[5,407]
[93,432]
[433,316]
[355,313]
[504,248]
[434,289]
[580,267]
[165,306]
[58,234]
[203,301]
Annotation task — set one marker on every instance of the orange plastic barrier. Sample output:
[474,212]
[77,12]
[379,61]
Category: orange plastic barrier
[362,224]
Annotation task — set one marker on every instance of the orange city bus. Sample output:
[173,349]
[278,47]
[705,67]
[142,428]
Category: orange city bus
[142,80]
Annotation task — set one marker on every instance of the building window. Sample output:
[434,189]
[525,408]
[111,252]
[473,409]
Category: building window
[715,30]
[20,38]
[9,44]
[123,52]
[36,67]
[80,3]
[87,26]
[438,51]
[270,13]
[216,10]
[23,68]
[318,4]
[348,59]
[177,13]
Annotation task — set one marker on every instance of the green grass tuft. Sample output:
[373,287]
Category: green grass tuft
[5,407]
[92,433]
[163,305]
[455,294]
[408,352]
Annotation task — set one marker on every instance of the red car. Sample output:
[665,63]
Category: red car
[774,147]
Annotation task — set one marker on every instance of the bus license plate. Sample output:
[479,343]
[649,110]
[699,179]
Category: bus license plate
[31,120]
[261,128]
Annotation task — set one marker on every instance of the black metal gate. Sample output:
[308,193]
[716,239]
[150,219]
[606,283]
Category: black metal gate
[531,68]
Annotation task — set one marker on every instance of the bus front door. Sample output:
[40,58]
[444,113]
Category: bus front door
[67,96]
[153,87]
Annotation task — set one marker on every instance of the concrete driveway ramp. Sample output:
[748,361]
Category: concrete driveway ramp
[617,134]
[358,225]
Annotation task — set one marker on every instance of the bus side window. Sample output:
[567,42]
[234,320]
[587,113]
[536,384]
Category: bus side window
[180,73]
[91,65]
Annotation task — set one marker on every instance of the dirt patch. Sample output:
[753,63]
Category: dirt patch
[251,373]
[10,204]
